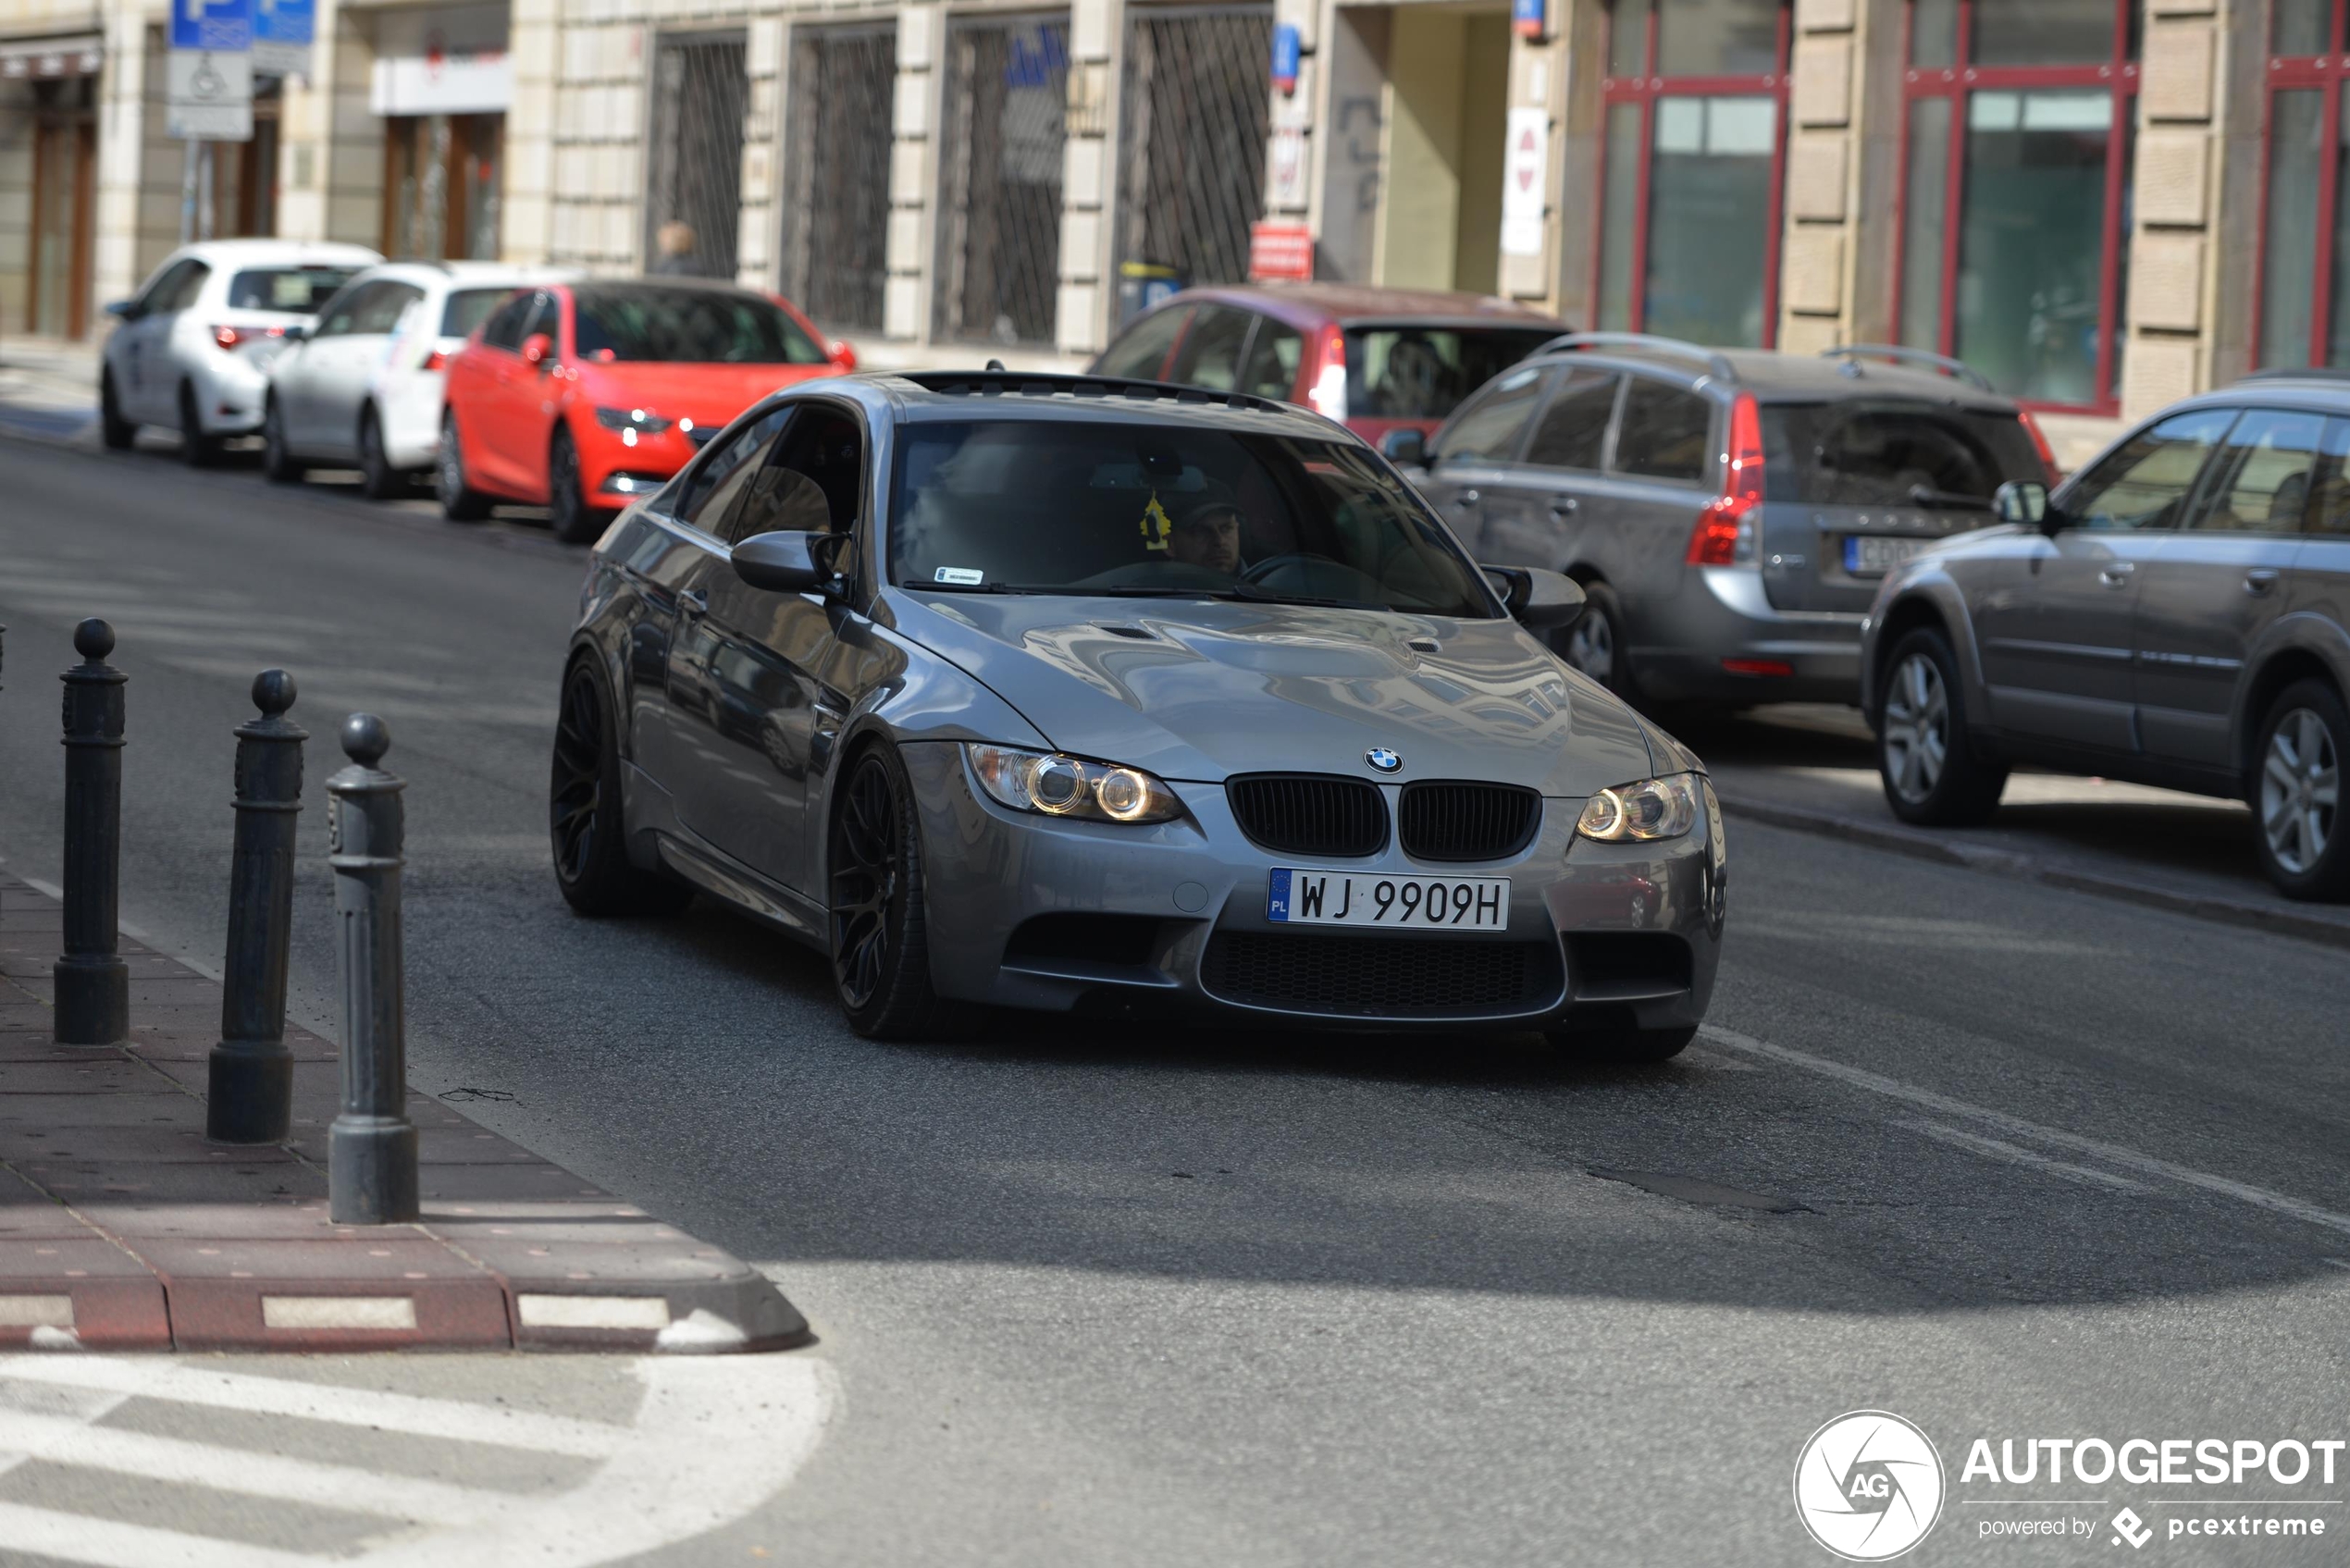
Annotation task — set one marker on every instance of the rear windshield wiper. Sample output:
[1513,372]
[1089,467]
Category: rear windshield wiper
[1926,495]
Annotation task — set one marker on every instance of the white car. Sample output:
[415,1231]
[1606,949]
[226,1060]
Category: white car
[363,385]
[193,348]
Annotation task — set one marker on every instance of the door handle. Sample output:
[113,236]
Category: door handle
[2260,580]
[1563,506]
[1467,498]
[693,601]
[2117,574]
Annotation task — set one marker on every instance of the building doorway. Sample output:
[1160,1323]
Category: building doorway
[65,169]
[1447,97]
[442,177]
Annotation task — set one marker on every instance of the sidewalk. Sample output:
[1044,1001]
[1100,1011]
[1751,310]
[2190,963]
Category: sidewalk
[121,1228]
[49,390]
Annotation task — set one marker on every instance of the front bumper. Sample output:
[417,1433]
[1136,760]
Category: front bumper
[1720,639]
[1172,918]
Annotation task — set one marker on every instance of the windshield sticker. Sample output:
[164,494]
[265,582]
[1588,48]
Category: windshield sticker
[962,577]
[1157,525]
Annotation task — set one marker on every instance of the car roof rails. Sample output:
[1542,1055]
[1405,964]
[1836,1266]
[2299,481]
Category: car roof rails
[2306,372]
[1717,363]
[1899,354]
[1034,383]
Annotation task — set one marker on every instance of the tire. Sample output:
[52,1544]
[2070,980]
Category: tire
[585,821]
[574,522]
[2296,790]
[1925,754]
[278,465]
[378,480]
[878,924]
[1624,1046]
[197,449]
[1597,644]
[115,432]
[460,502]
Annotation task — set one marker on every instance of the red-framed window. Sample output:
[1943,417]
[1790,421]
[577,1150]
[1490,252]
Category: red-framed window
[2301,311]
[1693,169]
[2016,138]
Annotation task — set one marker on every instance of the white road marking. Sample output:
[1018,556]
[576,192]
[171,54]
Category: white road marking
[57,1440]
[2015,1155]
[2112,1154]
[713,1439]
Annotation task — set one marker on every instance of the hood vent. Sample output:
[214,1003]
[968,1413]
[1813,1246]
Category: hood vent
[1319,814]
[1138,632]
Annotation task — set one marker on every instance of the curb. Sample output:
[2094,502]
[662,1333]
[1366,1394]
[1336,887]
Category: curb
[2018,867]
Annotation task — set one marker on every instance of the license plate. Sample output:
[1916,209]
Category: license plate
[1872,555]
[1343,899]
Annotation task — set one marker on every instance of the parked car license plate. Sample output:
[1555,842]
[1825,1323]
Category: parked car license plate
[1343,899]
[1872,555]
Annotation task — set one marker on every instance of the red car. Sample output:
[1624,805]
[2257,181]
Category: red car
[1373,359]
[583,396]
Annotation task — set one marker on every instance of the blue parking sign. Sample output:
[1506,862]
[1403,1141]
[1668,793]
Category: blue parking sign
[285,21]
[223,27]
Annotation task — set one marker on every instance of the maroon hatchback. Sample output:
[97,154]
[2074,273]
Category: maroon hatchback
[1373,359]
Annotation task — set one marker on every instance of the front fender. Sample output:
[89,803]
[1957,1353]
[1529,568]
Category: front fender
[2306,632]
[1922,595]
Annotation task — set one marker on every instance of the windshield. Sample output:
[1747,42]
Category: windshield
[1893,454]
[1025,506]
[301,290]
[690,326]
[1424,372]
[468,308]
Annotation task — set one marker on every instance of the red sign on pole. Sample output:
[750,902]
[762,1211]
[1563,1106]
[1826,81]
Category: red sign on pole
[1280,251]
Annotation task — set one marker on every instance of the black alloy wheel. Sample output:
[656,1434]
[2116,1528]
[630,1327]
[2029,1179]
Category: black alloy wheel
[574,522]
[459,502]
[278,463]
[116,432]
[378,480]
[196,448]
[584,817]
[880,940]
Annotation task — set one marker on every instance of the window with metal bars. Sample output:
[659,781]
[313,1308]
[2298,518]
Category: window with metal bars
[1196,119]
[1001,136]
[835,214]
[693,171]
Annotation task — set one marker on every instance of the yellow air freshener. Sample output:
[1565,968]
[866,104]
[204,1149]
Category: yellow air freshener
[1157,525]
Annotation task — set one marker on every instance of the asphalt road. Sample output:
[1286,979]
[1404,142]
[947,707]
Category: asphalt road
[2009,1161]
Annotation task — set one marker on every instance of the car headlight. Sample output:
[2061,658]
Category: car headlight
[1652,809]
[635,419]
[1055,785]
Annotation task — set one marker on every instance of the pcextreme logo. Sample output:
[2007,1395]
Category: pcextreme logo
[1868,1485]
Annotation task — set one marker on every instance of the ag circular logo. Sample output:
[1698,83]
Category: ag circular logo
[1868,1485]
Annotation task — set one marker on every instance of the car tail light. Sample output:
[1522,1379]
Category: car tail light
[436,359]
[1758,667]
[1724,535]
[2040,439]
[1327,392]
[231,338]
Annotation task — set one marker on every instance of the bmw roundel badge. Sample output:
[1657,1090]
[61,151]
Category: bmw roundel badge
[1386,761]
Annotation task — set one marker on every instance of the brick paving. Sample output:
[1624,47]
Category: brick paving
[122,1228]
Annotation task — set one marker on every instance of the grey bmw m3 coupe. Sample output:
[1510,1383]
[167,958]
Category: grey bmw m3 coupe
[1081,695]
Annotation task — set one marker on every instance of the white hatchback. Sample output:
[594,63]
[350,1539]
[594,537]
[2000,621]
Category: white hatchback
[363,385]
[194,346]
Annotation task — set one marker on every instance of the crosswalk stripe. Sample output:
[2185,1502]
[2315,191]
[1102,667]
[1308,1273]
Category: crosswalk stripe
[57,1440]
[78,1538]
[150,1378]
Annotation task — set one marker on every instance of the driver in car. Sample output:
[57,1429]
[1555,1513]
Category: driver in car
[1207,534]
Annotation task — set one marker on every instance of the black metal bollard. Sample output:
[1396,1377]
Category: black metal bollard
[93,982]
[371,1149]
[250,1095]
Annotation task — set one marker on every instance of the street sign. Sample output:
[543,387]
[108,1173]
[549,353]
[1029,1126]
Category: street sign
[1524,170]
[1528,19]
[222,26]
[210,95]
[282,31]
[1280,251]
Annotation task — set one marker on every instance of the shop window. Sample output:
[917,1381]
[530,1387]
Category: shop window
[2302,313]
[441,186]
[1693,171]
[2018,139]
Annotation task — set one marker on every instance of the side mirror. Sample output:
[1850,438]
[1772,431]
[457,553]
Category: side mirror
[538,349]
[1405,447]
[783,562]
[843,355]
[2023,502]
[1542,601]
[123,310]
